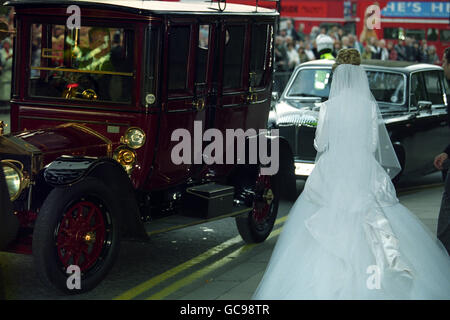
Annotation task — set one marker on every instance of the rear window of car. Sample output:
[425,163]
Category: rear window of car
[387,87]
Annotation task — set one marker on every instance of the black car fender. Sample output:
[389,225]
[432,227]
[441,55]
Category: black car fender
[67,171]
[285,159]
[287,170]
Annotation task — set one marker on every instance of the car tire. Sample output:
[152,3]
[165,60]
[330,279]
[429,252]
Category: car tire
[257,225]
[77,225]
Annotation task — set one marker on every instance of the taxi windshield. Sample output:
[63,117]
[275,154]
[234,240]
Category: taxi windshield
[386,87]
[311,83]
[89,63]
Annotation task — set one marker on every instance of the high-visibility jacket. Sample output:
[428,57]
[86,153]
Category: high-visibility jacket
[327,56]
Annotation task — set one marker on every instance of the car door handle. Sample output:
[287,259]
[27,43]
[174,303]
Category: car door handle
[251,98]
[199,104]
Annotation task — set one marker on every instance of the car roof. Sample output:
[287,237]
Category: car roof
[404,66]
[146,7]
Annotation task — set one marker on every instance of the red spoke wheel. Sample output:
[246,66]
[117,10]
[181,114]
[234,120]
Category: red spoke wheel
[81,235]
[76,226]
[257,225]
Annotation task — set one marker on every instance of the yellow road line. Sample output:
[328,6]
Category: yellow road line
[134,292]
[208,269]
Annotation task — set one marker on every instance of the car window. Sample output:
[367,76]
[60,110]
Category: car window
[433,87]
[179,41]
[446,85]
[90,63]
[417,88]
[311,83]
[257,57]
[387,87]
[232,69]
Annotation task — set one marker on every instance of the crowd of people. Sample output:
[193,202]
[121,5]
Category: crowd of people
[293,47]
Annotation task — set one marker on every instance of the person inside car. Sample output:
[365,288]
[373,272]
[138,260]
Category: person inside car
[98,55]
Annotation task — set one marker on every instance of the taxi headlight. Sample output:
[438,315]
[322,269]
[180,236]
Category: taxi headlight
[134,138]
[15,179]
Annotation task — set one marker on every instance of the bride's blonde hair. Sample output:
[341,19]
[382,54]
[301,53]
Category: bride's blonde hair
[347,56]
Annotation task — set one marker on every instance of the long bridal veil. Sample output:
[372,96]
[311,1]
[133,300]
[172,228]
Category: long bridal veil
[338,233]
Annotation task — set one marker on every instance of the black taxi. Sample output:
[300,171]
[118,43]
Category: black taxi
[413,99]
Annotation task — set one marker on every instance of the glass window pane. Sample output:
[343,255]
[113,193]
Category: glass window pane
[179,40]
[234,47]
[90,63]
[432,34]
[202,53]
[387,87]
[417,89]
[445,35]
[390,33]
[417,34]
[433,87]
[311,83]
[258,55]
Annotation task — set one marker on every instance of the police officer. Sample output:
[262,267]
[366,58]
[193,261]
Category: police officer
[325,46]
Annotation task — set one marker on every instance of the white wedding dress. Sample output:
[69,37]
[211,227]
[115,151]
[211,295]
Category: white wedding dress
[347,236]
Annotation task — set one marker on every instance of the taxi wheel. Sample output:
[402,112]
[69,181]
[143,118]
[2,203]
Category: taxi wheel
[257,225]
[76,233]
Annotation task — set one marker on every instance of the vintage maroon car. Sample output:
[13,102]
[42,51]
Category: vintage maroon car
[88,161]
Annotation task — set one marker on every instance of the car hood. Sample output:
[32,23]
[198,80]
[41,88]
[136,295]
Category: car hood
[68,139]
[296,113]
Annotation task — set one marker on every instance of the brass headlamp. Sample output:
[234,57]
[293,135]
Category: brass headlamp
[133,139]
[16,178]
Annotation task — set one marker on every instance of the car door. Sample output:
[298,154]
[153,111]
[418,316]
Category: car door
[186,101]
[428,106]
[244,81]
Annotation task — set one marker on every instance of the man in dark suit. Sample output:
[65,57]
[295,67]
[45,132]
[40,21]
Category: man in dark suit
[441,162]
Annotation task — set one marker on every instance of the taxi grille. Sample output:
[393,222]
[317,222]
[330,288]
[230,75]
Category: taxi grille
[301,140]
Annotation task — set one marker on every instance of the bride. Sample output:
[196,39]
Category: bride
[347,235]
